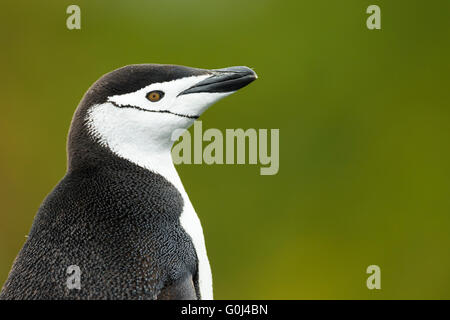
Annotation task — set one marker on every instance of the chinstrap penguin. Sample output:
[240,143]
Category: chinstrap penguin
[121,213]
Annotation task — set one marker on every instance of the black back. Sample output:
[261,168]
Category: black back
[115,220]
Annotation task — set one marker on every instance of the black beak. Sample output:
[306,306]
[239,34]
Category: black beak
[224,80]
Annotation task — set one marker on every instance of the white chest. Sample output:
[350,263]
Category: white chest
[191,224]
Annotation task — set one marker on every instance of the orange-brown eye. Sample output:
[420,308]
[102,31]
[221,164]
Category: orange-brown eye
[154,96]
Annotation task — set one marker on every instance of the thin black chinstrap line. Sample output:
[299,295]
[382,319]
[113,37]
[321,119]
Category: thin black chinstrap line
[158,111]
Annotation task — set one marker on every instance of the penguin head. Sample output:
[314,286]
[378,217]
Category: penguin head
[139,107]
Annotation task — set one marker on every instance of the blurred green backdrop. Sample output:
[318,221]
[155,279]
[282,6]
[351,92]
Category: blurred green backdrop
[364,131]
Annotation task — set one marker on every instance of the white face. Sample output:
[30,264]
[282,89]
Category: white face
[132,125]
[191,105]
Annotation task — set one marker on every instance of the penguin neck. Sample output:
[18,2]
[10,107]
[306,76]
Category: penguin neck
[128,135]
[157,159]
[150,155]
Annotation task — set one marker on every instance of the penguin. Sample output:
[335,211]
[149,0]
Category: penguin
[120,214]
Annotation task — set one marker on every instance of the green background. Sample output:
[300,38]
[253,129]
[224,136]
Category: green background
[364,132]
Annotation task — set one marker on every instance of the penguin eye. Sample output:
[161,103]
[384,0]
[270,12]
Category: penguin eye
[155,95]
